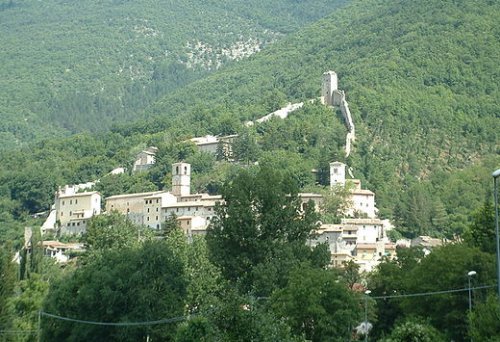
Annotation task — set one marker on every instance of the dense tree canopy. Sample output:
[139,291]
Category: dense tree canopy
[260,230]
[119,285]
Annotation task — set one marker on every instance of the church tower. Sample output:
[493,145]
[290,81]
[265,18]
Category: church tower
[181,179]
[337,174]
[329,86]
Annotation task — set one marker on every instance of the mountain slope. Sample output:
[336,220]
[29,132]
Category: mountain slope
[421,79]
[73,66]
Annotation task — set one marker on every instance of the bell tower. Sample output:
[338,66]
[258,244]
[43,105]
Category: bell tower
[337,174]
[181,179]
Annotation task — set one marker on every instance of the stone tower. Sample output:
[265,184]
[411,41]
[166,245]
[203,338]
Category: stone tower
[337,174]
[181,179]
[329,86]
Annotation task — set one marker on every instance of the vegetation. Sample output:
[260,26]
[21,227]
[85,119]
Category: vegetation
[419,78]
[73,67]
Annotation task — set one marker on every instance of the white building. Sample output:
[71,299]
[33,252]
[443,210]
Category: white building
[363,201]
[211,144]
[145,159]
[361,240]
[74,209]
[60,251]
[337,174]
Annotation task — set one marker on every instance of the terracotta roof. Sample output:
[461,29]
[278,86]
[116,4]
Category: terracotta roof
[366,246]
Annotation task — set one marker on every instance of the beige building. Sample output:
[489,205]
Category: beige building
[193,211]
[131,205]
[74,209]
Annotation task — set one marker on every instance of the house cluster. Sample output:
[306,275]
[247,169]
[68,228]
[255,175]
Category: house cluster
[193,211]
[359,237]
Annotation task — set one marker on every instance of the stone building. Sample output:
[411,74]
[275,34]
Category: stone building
[193,211]
[145,159]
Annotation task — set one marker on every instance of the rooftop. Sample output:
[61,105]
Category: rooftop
[79,194]
[141,194]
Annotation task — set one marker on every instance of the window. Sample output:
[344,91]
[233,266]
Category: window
[185,170]
[70,201]
[76,201]
[62,202]
[156,209]
[156,218]
[148,210]
[335,170]
[157,200]
[70,213]
[147,219]
[177,209]
[62,214]
[176,170]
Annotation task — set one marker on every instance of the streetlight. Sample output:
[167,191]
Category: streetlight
[367,293]
[470,274]
[495,175]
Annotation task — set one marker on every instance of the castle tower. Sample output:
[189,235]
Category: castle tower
[181,179]
[337,174]
[329,86]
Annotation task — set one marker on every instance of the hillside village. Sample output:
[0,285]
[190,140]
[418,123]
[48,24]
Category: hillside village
[360,236]
[242,171]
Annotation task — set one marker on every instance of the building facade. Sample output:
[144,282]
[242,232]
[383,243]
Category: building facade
[74,209]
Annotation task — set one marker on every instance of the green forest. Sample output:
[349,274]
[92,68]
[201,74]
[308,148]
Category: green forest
[87,86]
[71,67]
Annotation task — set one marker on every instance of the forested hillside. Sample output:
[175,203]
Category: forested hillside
[421,79]
[76,66]
[422,82]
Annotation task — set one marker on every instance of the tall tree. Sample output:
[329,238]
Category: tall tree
[128,284]
[7,283]
[260,230]
[315,304]
[480,232]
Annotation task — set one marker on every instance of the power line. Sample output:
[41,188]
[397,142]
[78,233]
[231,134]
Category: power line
[432,293]
[116,324]
[182,318]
